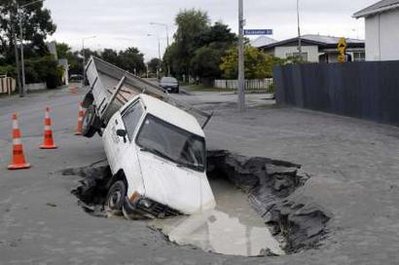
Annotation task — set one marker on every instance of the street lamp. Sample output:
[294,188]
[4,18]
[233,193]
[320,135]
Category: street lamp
[167,37]
[159,44]
[299,30]
[166,28]
[159,49]
[84,56]
[23,91]
[13,17]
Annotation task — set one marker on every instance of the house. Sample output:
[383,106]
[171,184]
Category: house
[262,41]
[382,30]
[316,48]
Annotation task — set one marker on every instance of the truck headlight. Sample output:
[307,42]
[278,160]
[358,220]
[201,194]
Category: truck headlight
[145,203]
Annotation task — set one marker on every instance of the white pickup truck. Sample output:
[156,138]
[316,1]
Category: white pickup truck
[155,148]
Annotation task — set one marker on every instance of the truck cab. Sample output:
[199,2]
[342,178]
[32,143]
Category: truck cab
[157,154]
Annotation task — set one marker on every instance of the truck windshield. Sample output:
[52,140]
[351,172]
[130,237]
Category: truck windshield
[172,143]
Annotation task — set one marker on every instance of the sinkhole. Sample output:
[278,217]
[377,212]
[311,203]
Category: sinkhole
[255,214]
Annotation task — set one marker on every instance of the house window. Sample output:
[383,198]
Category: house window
[359,56]
[296,55]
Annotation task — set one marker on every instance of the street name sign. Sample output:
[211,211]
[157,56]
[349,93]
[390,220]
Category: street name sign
[258,32]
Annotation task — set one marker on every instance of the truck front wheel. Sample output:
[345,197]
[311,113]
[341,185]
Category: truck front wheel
[115,197]
[88,129]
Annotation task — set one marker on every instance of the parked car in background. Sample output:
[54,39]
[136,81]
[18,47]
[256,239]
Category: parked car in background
[170,84]
[76,78]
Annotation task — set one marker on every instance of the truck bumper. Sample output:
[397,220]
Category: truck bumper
[147,208]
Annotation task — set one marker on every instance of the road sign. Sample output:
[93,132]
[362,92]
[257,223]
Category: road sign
[342,43]
[341,47]
[258,32]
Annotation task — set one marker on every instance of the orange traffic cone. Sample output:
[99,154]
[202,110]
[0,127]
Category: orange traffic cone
[78,130]
[18,158]
[48,142]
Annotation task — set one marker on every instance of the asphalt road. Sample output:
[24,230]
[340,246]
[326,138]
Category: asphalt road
[354,166]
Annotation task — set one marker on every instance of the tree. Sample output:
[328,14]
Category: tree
[131,60]
[190,24]
[75,60]
[198,46]
[154,64]
[171,58]
[205,63]
[213,45]
[63,50]
[218,33]
[36,23]
[44,69]
[111,56]
[258,65]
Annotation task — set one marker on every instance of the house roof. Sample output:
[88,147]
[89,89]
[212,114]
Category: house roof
[318,40]
[379,7]
[262,41]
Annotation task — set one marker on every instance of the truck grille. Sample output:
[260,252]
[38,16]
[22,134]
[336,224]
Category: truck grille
[158,210]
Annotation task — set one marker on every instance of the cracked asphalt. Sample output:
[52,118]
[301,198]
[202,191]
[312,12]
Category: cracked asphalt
[353,164]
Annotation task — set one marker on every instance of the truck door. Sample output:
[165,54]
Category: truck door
[125,156]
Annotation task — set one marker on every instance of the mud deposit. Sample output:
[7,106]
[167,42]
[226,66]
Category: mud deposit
[232,228]
[256,214]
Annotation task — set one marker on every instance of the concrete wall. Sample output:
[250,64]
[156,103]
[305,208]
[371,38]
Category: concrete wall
[35,86]
[313,52]
[7,85]
[382,36]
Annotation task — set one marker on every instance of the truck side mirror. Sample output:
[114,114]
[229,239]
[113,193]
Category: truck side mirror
[122,133]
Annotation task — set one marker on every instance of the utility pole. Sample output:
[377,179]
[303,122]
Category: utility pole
[19,17]
[14,35]
[241,76]
[23,94]
[299,31]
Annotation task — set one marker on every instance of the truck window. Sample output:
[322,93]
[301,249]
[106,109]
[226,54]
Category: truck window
[172,143]
[131,118]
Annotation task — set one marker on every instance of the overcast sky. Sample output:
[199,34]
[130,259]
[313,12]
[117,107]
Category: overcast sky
[119,24]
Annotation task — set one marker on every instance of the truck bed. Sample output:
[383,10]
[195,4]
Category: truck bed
[112,87]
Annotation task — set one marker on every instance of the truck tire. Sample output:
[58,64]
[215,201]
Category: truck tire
[116,195]
[88,129]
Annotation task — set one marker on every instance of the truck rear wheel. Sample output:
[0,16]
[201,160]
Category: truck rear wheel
[115,197]
[88,129]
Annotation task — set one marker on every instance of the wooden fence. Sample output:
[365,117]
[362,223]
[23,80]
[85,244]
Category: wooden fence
[366,90]
[7,85]
[254,84]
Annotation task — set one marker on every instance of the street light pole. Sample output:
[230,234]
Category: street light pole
[23,90]
[167,37]
[299,31]
[166,28]
[159,49]
[84,57]
[241,75]
[23,94]
[13,18]
[159,44]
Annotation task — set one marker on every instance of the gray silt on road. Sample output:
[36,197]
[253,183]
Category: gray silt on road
[353,164]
